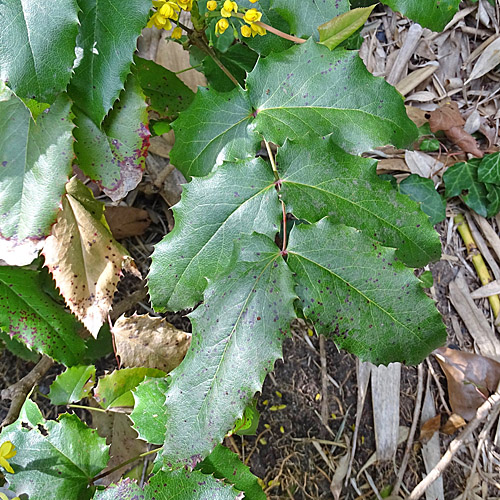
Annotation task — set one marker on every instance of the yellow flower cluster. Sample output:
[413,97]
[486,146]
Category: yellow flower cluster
[167,10]
[251,17]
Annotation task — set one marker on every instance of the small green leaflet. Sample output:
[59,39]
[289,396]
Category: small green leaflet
[423,191]
[305,89]
[72,385]
[223,464]
[114,155]
[115,389]
[148,414]
[37,47]
[104,48]
[237,337]
[29,314]
[304,16]
[171,485]
[356,293]
[432,14]
[235,199]
[167,93]
[319,179]
[35,162]
[61,459]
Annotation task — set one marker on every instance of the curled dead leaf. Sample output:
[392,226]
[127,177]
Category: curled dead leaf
[125,222]
[429,428]
[448,119]
[453,424]
[471,379]
[142,340]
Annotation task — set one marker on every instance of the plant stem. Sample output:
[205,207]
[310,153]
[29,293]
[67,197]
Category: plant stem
[188,69]
[271,159]
[282,34]
[89,408]
[123,464]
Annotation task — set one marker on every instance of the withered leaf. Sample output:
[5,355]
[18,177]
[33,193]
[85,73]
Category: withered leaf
[142,340]
[448,119]
[83,257]
[453,424]
[125,222]
[429,428]
[471,379]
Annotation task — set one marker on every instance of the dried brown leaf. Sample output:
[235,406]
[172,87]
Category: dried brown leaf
[448,119]
[429,428]
[142,340]
[453,424]
[471,379]
[125,222]
[83,257]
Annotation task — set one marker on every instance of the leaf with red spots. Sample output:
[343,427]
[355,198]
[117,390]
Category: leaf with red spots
[83,257]
[237,337]
[114,155]
[35,163]
[357,293]
[30,315]
[54,459]
[169,485]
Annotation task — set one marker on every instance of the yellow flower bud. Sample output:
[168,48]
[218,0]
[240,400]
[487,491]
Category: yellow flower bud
[221,26]
[211,5]
[185,4]
[176,33]
[253,1]
[252,16]
[257,30]
[246,30]
[228,7]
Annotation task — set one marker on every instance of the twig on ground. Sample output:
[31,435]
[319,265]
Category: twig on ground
[491,404]
[18,392]
[409,442]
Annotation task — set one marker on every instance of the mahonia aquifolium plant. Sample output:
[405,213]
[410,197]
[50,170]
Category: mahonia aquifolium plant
[307,230]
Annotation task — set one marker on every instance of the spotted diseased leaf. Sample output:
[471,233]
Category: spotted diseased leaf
[115,389]
[237,337]
[143,340]
[167,485]
[37,46]
[114,154]
[148,414]
[319,179]
[304,16]
[47,459]
[337,96]
[104,47]
[35,162]
[235,199]
[30,315]
[72,385]
[83,257]
[357,293]
[432,14]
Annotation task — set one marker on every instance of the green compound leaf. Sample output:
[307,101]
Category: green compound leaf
[237,337]
[35,162]
[489,169]
[114,155]
[235,199]
[357,293]
[319,179]
[463,177]
[304,16]
[167,93]
[148,414]
[424,192]
[105,47]
[306,89]
[30,315]
[55,458]
[72,385]
[432,14]
[226,465]
[116,388]
[37,46]
[171,485]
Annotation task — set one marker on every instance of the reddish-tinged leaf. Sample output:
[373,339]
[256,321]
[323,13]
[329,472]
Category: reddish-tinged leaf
[83,257]
[150,342]
[471,379]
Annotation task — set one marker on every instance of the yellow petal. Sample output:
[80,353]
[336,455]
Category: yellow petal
[6,465]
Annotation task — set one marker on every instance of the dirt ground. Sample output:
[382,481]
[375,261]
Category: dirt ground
[309,404]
